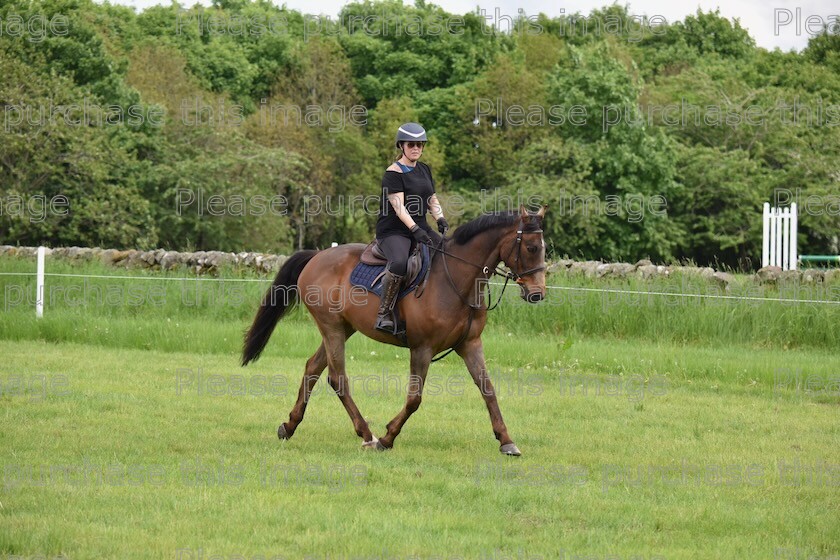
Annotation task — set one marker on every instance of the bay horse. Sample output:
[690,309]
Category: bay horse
[450,314]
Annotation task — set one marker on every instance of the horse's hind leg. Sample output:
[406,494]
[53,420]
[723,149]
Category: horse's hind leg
[334,339]
[314,367]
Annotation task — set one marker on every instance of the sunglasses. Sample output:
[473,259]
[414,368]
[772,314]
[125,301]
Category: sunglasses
[414,144]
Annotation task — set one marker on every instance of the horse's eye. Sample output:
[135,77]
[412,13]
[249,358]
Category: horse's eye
[532,248]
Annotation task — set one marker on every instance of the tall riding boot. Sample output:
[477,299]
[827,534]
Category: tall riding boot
[390,288]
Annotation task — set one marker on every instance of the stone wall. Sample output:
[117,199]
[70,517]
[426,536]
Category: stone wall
[200,262]
[645,269]
[207,262]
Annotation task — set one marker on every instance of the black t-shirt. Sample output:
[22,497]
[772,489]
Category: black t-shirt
[417,186]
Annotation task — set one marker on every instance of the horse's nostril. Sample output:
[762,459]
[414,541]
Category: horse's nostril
[535,297]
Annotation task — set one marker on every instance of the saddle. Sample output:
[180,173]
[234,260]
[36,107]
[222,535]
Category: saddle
[373,256]
[371,269]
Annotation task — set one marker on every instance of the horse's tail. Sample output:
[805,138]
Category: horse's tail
[278,300]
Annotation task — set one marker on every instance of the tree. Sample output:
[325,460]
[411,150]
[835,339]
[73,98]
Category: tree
[824,48]
[72,155]
[490,125]
[631,164]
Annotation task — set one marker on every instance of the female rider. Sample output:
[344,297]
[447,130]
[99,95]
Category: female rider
[408,192]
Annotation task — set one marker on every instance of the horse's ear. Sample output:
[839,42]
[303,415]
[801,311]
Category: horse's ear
[541,213]
[523,212]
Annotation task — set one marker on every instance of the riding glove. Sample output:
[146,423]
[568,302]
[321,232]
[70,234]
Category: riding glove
[420,235]
[443,226]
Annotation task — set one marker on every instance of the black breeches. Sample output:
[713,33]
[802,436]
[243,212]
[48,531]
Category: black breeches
[396,248]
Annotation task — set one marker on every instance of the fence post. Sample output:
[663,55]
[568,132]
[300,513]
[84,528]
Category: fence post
[785,239]
[794,225]
[765,236]
[39,284]
[778,243]
[774,236]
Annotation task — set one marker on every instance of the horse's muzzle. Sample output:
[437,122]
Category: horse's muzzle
[531,297]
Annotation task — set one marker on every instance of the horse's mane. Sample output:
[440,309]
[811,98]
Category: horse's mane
[481,224]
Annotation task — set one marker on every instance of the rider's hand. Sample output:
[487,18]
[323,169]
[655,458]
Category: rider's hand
[443,226]
[420,235]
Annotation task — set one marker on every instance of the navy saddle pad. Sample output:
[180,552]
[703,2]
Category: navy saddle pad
[364,275]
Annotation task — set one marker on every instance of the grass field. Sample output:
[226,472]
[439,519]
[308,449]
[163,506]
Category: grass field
[130,431]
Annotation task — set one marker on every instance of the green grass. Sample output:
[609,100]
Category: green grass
[599,476]
[152,313]
[112,447]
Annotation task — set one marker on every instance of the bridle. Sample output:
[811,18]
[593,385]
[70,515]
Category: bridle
[512,274]
[508,275]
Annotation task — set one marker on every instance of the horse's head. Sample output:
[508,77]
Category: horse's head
[523,252]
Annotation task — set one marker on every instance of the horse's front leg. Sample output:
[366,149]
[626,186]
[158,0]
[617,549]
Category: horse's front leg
[472,352]
[420,360]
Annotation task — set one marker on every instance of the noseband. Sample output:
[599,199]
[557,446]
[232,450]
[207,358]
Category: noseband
[512,274]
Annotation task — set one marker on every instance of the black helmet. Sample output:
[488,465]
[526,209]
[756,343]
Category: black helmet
[410,132]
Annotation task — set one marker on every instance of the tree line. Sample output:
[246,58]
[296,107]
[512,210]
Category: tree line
[244,126]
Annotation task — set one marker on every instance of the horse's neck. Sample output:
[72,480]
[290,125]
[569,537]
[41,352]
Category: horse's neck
[480,252]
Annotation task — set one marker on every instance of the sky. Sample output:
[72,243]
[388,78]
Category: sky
[786,25]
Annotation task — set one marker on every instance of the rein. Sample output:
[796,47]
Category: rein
[507,274]
[484,269]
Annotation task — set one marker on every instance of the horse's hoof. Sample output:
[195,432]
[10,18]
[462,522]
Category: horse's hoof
[375,444]
[510,449]
[282,433]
